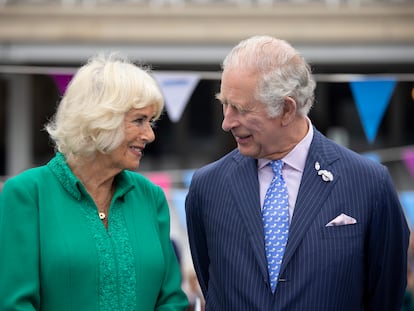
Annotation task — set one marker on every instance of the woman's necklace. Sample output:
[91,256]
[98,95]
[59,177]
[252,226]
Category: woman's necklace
[102,215]
[104,208]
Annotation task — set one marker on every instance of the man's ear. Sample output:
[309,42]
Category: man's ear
[289,111]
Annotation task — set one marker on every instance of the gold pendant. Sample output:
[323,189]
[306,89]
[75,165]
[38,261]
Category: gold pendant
[102,215]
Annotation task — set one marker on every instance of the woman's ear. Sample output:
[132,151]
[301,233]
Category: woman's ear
[289,111]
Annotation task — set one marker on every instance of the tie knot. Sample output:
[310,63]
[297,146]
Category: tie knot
[276,166]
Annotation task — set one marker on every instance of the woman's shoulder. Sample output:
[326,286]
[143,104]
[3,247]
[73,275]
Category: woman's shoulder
[28,182]
[35,174]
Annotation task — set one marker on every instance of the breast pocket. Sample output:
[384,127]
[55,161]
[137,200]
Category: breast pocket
[342,232]
[343,240]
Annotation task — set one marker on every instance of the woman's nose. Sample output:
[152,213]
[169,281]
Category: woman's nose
[148,133]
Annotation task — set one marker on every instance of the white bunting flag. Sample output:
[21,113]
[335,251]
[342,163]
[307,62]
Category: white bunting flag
[177,89]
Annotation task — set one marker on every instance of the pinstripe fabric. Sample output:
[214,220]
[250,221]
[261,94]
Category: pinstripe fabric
[343,268]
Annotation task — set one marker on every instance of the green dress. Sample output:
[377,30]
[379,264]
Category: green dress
[56,254]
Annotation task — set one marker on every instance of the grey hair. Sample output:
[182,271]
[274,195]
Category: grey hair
[90,116]
[283,72]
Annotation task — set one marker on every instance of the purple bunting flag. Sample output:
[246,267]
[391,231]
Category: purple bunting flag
[62,81]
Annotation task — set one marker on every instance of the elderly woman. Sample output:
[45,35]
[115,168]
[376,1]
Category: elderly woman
[86,232]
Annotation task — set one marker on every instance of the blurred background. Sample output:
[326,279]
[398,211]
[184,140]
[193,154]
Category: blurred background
[361,52]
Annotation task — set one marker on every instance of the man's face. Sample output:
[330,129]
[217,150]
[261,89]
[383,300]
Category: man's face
[257,135]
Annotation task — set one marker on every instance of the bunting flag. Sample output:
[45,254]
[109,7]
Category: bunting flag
[62,81]
[372,98]
[177,89]
[408,159]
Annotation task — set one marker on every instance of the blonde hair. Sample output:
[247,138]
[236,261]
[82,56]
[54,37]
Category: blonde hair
[90,116]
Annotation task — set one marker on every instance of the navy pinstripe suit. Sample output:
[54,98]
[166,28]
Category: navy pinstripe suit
[341,268]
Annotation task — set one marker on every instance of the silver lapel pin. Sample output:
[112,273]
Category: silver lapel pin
[326,175]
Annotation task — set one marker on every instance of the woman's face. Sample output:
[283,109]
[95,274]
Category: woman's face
[138,133]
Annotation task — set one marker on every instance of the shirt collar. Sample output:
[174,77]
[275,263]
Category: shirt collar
[296,158]
[72,184]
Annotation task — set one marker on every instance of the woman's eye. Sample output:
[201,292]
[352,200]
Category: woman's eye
[142,121]
[139,121]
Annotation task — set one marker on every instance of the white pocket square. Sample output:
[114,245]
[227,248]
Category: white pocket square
[341,220]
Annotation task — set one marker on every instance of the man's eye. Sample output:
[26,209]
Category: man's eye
[239,110]
[242,110]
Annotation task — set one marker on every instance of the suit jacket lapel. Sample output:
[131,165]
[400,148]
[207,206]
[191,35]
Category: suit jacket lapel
[312,194]
[245,192]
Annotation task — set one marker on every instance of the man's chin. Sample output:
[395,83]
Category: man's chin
[246,151]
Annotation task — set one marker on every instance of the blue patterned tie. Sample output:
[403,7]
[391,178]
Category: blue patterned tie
[276,222]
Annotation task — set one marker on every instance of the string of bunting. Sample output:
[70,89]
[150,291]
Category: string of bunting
[371,93]
[372,96]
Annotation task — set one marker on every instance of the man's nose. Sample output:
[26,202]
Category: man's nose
[229,118]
